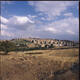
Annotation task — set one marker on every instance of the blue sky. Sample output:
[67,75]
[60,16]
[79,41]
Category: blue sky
[40,19]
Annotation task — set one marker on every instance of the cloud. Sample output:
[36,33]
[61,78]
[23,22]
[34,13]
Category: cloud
[42,18]
[68,14]
[70,32]
[67,28]
[16,26]
[3,26]
[23,26]
[20,22]
[51,19]
[16,20]
[3,20]
[22,19]
[51,29]
[31,17]
[63,25]
[52,8]
[6,33]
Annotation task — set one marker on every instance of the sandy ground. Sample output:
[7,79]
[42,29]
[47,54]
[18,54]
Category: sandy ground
[40,65]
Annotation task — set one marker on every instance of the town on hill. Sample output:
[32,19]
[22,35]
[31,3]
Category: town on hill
[38,43]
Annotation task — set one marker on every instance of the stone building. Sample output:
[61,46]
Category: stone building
[49,42]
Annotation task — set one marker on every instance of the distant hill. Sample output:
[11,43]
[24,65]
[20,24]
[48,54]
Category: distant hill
[38,43]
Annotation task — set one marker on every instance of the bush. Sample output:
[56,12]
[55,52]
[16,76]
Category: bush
[7,46]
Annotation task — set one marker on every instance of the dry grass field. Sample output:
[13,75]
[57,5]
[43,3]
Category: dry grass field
[40,65]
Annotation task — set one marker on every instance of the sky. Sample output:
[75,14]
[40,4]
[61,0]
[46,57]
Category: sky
[40,19]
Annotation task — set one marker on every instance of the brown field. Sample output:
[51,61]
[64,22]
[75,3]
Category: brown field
[40,65]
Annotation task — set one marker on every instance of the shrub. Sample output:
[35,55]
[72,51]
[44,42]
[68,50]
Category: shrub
[7,46]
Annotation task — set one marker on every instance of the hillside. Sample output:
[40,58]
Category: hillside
[40,65]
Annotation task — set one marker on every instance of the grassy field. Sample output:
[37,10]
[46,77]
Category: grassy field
[40,65]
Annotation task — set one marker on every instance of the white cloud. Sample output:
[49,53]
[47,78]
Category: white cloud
[68,26]
[43,18]
[19,22]
[6,33]
[17,26]
[16,20]
[52,8]
[22,19]
[68,14]
[3,26]
[31,16]
[70,32]
[3,20]
[51,29]
[65,26]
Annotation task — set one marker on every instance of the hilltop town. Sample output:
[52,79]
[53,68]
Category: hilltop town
[42,43]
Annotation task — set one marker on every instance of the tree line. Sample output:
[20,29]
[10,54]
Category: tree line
[8,46]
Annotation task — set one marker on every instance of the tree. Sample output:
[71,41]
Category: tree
[7,46]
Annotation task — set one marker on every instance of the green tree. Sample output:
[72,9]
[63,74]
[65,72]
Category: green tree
[7,46]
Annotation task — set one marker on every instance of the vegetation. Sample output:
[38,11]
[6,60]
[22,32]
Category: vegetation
[7,46]
[61,64]
[38,61]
